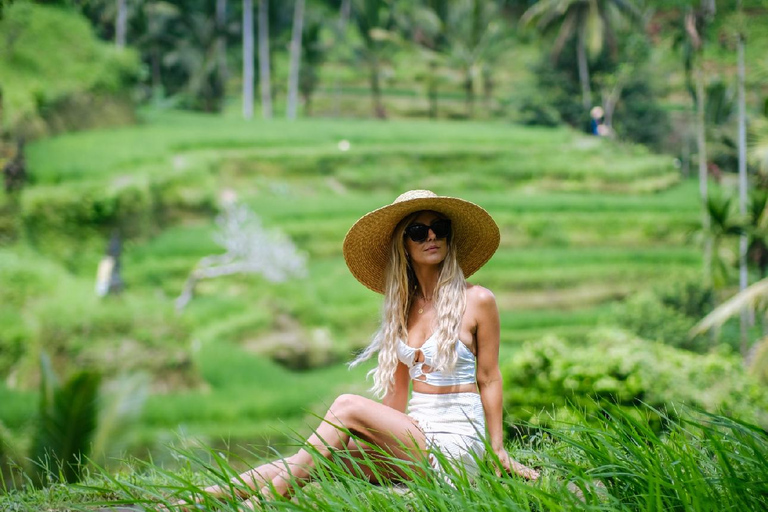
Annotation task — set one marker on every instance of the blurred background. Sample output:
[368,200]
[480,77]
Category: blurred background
[179,176]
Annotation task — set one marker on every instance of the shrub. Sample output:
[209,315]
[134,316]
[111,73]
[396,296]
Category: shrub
[45,307]
[49,55]
[537,110]
[668,313]
[547,379]
[62,218]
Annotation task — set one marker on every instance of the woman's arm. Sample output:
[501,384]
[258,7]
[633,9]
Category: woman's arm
[488,373]
[489,376]
[397,398]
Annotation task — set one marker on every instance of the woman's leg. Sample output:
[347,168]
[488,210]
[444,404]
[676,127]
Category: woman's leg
[388,430]
[378,425]
[255,478]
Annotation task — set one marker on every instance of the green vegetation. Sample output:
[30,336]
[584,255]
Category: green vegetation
[51,86]
[546,380]
[598,234]
[701,463]
[558,245]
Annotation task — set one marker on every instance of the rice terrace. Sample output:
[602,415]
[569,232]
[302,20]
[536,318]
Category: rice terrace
[175,307]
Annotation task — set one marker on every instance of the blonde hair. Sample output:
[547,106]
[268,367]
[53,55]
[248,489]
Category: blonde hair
[449,299]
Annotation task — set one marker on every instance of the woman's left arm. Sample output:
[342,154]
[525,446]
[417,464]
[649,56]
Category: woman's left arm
[489,380]
[488,373]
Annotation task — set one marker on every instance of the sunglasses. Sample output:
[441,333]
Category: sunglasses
[419,232]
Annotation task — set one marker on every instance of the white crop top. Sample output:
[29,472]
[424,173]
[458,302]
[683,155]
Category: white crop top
[463,373]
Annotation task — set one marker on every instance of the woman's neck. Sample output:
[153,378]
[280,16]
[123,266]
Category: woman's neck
[427,282]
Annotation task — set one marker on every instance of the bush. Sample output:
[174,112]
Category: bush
[45,307]
[536,110]
[64,217]
[50,54]
[547,379]
[668,313]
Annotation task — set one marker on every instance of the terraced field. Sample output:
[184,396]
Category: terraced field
[584,222]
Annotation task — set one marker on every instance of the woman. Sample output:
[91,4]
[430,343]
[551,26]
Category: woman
[437,331]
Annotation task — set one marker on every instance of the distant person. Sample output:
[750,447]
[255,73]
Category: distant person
[597,126]
[108,278]
[438,333]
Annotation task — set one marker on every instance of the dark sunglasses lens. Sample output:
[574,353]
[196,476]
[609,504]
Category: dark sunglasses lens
[441,228]
[417,232]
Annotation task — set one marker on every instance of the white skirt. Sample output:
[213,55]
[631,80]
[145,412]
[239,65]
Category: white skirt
[454,425]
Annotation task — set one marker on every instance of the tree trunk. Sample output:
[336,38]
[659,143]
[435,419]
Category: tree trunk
[248,59]
[432,90]
[378,106]
[265,81]
[469,92]
[343,18]
[121,23]
[702,149]
[157,77]
[293,76]
[581,55]
[743,277]
[221,44]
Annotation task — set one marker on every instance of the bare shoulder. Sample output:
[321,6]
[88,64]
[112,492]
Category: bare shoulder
[480,297]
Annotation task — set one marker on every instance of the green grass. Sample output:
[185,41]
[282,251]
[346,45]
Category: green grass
[504,153]
[700,463]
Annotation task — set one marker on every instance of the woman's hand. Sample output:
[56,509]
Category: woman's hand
[512,466]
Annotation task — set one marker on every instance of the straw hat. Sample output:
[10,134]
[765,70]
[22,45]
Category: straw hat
[366,246]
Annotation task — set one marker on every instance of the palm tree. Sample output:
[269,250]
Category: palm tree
[591,21]
[121,24]
[424,25]
[313,54]
[723,226]
[248,59]
[221,24]
[743,242]
[265,82]
[153,40]
[195,54]
[344,12]
[690,39]
[757,230]
[374,21]
[293,76]
[474,34]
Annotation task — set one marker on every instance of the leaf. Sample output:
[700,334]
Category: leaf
[751,297]
[65,426]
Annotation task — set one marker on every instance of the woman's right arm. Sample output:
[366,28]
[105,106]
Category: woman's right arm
[397,397]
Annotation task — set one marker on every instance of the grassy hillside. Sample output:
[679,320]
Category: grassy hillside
[584,222]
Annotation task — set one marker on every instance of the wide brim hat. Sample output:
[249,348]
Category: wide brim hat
[366,246]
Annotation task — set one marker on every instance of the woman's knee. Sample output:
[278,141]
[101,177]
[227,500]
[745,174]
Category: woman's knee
[346,408]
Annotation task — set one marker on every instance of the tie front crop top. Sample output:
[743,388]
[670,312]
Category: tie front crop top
[463,372]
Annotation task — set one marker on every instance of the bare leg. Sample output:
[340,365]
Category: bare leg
[376,424]
[379,425]
[255,478]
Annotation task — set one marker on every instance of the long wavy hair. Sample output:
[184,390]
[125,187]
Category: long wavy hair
[401,284]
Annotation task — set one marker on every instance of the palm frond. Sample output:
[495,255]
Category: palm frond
[65,426]
[594,29]
[753,297]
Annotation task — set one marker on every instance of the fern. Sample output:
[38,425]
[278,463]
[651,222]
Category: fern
[67,420]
